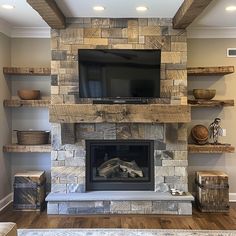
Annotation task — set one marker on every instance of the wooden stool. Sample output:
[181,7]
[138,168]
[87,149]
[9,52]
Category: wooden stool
[29,190]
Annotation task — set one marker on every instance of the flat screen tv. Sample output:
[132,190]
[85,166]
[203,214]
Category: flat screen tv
[123,73]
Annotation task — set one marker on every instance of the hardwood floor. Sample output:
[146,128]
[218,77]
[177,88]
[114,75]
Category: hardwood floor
[210,221]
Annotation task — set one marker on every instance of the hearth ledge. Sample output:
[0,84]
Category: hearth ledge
[117,196]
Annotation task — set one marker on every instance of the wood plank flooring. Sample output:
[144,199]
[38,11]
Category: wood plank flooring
[210,221]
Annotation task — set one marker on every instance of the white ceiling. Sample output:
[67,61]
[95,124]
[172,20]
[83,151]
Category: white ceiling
[216,16]
[119,8]
[23,16]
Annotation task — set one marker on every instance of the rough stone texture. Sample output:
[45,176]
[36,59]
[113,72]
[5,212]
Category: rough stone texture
[68,141]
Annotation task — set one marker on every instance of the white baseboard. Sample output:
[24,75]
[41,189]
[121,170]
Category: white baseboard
[6,201]
[232,197]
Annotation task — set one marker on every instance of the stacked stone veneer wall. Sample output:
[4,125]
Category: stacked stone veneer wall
[68,140]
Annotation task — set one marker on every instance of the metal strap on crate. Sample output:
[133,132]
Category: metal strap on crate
[212,186]
[28,185]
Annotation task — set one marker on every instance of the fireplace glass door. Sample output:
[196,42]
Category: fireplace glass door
[119,165]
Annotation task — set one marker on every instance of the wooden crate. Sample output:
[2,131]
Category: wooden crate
[29,190]
[212,191]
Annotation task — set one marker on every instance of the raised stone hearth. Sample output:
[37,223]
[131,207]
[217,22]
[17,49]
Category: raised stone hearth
[75,120]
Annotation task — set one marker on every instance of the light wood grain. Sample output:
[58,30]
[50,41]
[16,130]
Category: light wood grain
[188,11]
[43,71]
[210,103]
[216,70]
[26,148]
[26,103]
[98,113]
[210,148]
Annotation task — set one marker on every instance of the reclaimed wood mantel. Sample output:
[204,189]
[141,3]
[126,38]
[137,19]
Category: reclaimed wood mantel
[119,113]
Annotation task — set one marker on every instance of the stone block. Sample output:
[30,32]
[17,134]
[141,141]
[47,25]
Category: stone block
[176,179]
[54,90]
[92,33]
[57,163]
[56,99]
[158,42]
[52,208]
[80,151]
[150,30]
[181,155]
[72,36]
[54,155]
[130,131]
[112,41]
[75,161]
[68,133]
[171,57]
[75,188]
[96,41]
[54,80]
[164,207]
[119,206]
[59,55]
[161,187]
[133,31]
[185,208]
[158,180]
[112,33]
[56,136]
[144,207]
[180,171]
[63,208]
[175,163]
[159,145]
[108,130]
[118,23]
[164,170]
[176,38]
[154,131]
[176,74]
[178,46]
[122,46]
[142,22]
[58,188]
[167,155]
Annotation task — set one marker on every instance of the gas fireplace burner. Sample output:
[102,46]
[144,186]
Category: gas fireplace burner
[119,165]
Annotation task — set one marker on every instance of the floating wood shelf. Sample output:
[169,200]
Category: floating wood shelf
[43,71]
[210,148]
[119,113]
[27,148]
[218,70]
[210,103]
[26,103]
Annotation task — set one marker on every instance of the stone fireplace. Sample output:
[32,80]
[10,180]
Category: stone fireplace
[150,138]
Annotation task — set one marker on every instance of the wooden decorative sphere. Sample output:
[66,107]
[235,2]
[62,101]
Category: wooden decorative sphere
[200,134]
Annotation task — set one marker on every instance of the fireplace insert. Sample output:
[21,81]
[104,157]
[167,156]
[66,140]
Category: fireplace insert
[119,165]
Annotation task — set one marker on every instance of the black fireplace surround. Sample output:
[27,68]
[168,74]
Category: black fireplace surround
[119,165]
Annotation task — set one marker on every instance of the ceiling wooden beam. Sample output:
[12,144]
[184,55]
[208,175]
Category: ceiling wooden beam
[50,12]
[188,11]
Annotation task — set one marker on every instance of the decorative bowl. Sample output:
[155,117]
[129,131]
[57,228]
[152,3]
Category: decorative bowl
[205,94]
[200,134]
[26,94]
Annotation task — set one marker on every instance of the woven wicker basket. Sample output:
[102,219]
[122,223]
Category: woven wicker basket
[33,137]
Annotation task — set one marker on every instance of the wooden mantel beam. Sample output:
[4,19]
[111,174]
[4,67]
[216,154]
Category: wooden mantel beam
[50,12]
[188,11]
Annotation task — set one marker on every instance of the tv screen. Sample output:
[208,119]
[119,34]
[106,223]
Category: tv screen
[122,73]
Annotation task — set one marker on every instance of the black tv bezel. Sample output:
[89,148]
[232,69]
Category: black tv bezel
[118,100]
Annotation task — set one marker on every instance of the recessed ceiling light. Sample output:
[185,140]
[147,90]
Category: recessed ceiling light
[230,8]
[7,6]
[98,8]
[141,8]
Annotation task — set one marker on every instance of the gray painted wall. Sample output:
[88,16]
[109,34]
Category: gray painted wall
[5,119]
[212,52]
